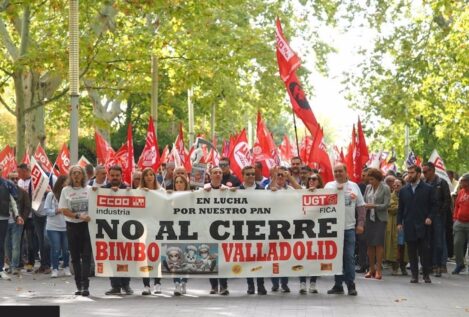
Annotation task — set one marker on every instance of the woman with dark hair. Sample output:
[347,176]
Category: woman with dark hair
[148,182]
[313,182]
[56,228]
[377,198]
[73,204]
[180,183]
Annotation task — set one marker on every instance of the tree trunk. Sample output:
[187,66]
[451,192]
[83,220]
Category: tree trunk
[20,117]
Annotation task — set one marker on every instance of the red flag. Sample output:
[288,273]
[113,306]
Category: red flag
[7,161]
[63,160]
[164,155]
[181,150]
[361,144]
[240,156]
[320,158]
[287,59]
[130,156]
[264,149]
[226,149]
[104,151]
[41,156]
[286,150]
[349,159]
[150,154]
[288,63]
[305,149]
[301,105]
[124,157]
[26,158]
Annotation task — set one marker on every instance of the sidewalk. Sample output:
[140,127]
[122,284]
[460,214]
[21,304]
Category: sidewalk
[392,296]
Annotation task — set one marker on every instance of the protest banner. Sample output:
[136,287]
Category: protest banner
[244,233]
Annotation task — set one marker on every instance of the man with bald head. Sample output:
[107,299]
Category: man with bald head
[353,200]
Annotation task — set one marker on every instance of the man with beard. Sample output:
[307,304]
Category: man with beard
[295,164]
[249,183]
[216,184]
[118,283]
[417,209]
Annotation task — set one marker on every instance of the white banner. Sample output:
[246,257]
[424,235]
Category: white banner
[245,233]
[39,183]
[440,168]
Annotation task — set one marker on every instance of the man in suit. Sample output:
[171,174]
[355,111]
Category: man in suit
[417,208]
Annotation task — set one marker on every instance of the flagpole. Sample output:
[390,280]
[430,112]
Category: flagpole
[296,135]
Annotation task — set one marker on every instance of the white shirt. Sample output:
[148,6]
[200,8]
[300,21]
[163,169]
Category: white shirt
[75,199]
[350,203]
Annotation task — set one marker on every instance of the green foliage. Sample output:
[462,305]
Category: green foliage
[223,50]
[418,75]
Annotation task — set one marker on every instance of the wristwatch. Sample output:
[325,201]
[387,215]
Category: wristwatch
[77,216]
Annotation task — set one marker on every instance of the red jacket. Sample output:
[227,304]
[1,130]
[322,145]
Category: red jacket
[461,206]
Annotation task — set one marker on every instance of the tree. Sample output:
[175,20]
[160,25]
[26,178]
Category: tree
[418,75]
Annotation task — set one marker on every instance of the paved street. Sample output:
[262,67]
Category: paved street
[393,296]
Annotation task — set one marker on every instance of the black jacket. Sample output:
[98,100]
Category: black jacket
[414,208]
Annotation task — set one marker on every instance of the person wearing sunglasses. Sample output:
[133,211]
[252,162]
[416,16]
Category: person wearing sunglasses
[228,178]
[280,178]
[216,175]
[249,183]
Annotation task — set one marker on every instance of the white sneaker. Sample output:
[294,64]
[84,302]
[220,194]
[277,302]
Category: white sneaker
[312,288]
[302,288]
[177,289]
[55,273]
[67,271]
[157,289]
[5,276]
[183,288]
[146,290]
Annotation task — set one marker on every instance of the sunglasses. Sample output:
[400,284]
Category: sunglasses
[223,164]
[313,179]
[250,174]
[280,175]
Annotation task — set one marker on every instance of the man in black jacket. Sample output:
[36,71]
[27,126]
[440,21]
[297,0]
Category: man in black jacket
[417,209]
[8,197]
[117,283]
[228,178]
[443,199]
[249,183]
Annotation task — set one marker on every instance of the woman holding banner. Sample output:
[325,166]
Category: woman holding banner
[180,184]
[73,204]
[148,182]
[314,182]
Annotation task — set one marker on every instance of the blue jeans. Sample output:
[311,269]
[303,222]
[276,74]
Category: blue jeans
[3,234]
[180,280]
[348,275]
[438,241]
[13,244]
[44,247]
[58,245]
[312,279]
[275,281]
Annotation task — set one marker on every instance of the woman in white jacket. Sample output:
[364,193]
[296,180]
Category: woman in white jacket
[56,228]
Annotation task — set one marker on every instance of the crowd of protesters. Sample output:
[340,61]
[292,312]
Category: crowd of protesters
[391,221]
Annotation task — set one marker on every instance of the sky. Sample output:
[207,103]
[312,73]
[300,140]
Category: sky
[328,102]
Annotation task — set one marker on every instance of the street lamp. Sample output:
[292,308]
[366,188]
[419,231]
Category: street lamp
[74,79]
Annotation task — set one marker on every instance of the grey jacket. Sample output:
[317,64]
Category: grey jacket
[382,200]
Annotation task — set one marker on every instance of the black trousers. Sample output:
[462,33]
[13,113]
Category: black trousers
[259,280]
[419,248]
[222,281]
[79,245]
